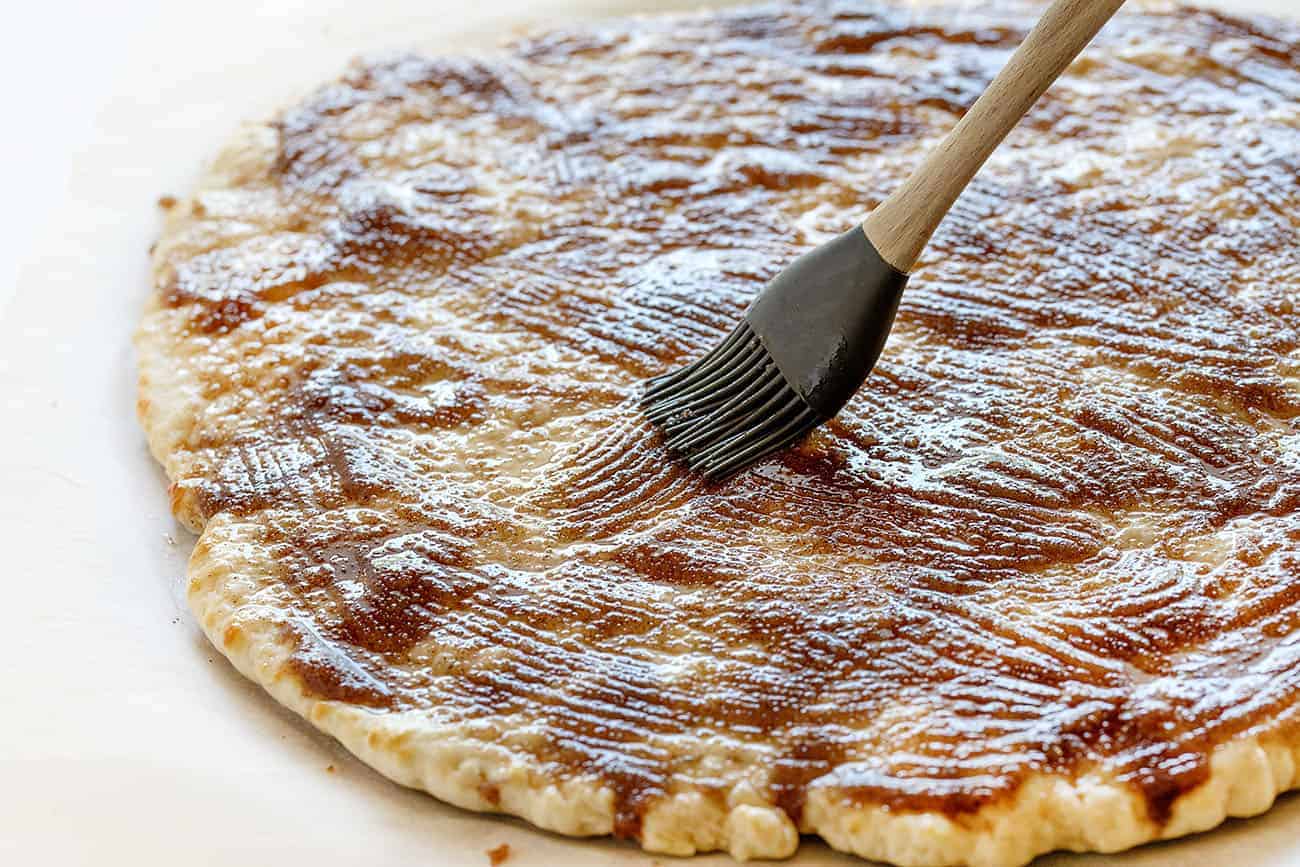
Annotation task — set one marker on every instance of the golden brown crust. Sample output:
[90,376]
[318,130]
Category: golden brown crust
[1049,550]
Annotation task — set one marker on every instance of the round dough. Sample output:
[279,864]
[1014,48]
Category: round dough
[1035,588]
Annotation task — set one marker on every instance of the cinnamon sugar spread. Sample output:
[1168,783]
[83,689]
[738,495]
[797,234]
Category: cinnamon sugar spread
[1058,528]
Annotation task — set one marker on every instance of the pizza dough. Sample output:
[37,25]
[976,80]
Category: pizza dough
[1035,588]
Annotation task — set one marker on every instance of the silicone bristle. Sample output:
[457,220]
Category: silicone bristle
[730,408]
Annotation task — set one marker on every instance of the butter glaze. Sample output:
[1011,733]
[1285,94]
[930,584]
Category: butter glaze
[1056,530]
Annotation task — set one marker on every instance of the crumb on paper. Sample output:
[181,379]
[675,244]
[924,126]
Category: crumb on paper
[329,769]
[166,202]
[499,854]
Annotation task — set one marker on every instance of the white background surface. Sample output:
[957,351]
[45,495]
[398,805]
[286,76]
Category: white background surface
[124,738]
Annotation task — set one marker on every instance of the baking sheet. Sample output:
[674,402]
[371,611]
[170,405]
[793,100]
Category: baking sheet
[125,738]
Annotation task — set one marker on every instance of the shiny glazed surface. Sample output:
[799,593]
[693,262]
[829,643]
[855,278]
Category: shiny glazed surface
[1057,529]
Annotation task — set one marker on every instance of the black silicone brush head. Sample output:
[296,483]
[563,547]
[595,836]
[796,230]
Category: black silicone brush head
[805,346]
[731,408]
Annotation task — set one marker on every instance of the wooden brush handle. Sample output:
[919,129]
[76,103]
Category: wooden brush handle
[902,224]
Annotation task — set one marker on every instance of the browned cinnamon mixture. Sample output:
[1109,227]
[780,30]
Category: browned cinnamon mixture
[1059,526]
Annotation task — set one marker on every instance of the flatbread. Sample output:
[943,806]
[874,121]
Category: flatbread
[1035,588]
